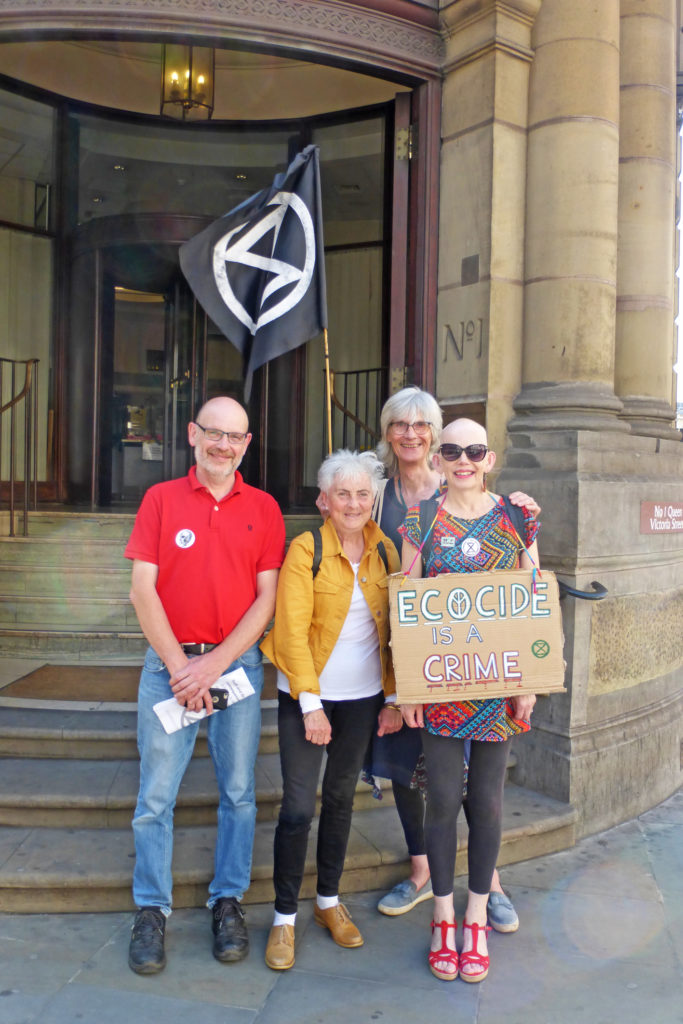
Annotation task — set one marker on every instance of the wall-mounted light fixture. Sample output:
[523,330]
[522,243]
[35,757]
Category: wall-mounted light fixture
[187,81]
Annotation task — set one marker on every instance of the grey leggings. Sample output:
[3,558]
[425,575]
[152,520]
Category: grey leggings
[444,758]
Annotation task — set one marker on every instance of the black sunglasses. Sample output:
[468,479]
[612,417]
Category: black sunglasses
[452,452]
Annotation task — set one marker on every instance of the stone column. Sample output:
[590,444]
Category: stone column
[647,182]
[571,219]
[481,219]
[611,745]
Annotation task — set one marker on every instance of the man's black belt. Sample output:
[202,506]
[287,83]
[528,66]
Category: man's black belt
[198,648]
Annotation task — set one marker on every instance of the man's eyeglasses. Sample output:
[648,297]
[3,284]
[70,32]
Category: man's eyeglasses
[214,434]
[421,427]
[452,452]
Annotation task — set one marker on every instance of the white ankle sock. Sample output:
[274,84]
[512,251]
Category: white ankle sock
[325,902]
[283,919]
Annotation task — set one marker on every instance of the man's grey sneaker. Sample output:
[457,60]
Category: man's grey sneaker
[403,897]
[146,951]
[502,914]
[231,942]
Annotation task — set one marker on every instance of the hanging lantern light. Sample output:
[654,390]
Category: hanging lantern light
[187,81]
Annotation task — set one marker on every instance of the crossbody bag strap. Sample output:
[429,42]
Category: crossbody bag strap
[378,503]
[427,512]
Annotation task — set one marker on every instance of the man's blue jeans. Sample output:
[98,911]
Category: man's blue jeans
[233,738]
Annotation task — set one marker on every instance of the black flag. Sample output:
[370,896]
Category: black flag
[259,271]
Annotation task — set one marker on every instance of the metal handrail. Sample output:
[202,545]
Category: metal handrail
[350,415]
[596,594]
[29,395]
[360,403]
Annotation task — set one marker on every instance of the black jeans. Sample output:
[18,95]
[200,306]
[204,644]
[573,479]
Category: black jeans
[444,757]
[352,724]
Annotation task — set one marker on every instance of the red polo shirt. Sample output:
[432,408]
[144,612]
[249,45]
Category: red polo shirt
[208,552]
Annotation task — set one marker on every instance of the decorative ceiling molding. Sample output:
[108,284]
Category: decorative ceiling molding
[455,15]
[322,28]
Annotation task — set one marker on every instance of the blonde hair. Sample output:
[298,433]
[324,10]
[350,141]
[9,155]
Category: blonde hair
[409,403]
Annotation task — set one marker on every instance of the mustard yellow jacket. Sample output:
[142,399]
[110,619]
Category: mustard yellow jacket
[310,613]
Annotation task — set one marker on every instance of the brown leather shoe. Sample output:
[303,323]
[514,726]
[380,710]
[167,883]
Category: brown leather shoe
[280,947]
[338,921]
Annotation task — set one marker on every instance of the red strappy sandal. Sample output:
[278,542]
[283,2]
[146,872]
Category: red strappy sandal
[473,956]
[449,955]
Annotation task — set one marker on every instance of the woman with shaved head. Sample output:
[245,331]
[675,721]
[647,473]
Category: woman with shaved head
[471,533]
[411,425]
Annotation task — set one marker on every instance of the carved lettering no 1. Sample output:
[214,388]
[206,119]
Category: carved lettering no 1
[467,332]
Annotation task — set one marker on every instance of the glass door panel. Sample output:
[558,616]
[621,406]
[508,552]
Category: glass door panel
[138,396]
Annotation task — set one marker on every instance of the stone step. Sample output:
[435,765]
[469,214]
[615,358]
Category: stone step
[60,581]
[69,577]
[74,732]
[92,528]
[60,523]
[43,793]
[74,613]
[38,553]
[72,870]
[72,645]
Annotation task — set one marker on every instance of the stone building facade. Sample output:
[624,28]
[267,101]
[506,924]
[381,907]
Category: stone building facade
[528,274]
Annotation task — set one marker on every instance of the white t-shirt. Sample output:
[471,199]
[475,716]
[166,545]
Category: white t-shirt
[354,669]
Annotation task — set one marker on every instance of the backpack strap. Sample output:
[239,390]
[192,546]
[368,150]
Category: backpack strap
[516,516]
[317,550]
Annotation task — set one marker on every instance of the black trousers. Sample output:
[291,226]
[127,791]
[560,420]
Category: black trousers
[352,724]
[444,757]
[410,805]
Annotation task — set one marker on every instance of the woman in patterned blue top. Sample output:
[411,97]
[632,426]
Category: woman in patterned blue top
[472,534]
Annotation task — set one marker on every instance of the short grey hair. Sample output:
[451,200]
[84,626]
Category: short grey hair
[347,465]
[408,404]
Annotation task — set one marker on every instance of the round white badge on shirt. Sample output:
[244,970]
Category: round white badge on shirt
[470,547]
[185,538]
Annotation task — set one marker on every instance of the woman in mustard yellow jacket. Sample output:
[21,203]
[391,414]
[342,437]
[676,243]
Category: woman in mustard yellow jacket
[330,645]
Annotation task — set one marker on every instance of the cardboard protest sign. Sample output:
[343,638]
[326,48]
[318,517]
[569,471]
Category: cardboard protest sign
[469,636]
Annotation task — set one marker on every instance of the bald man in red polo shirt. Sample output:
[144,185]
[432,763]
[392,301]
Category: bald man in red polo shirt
[206,552]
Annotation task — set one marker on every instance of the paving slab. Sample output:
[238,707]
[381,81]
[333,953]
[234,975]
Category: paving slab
[671,811]
[593,866]
[673,915]
[666,857]
[192,973]
[302,998]
[79,1003]
[562,926]
[579,991]
[600,941]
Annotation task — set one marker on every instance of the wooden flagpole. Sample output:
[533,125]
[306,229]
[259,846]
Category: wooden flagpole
[328,392]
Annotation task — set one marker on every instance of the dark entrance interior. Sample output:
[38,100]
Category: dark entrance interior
[141,356]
